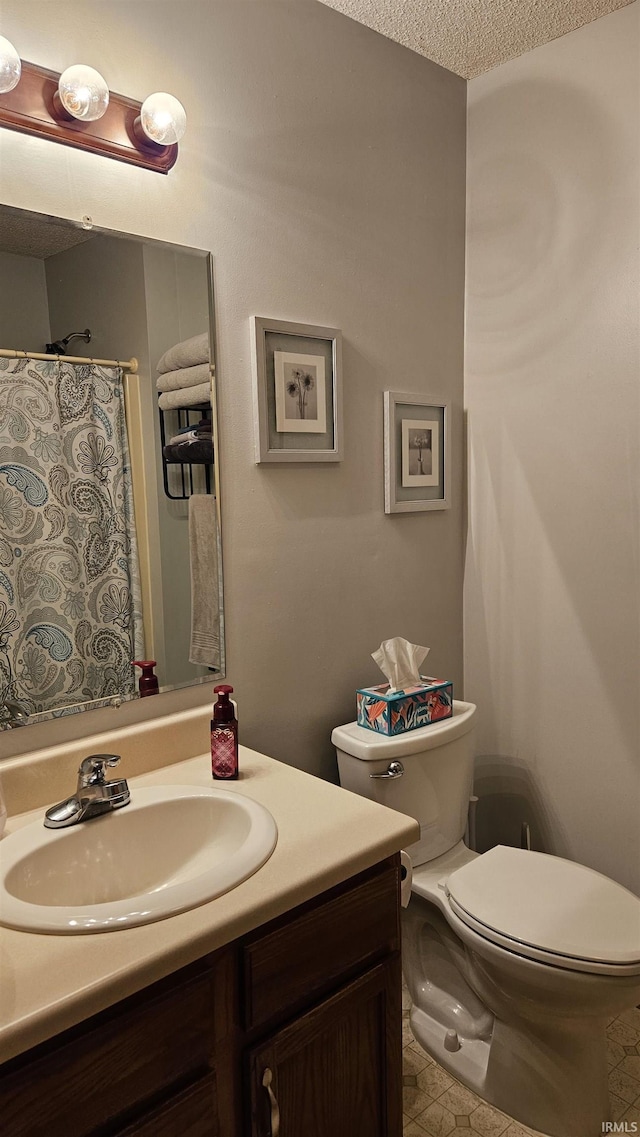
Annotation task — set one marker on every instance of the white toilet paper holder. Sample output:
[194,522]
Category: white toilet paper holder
[406,878]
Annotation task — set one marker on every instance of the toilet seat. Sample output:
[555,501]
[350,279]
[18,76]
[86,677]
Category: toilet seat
[550,910]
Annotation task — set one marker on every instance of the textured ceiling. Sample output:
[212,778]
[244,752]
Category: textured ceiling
[30,235]
[471,36]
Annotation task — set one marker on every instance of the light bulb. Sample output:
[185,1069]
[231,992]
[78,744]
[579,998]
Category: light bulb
[163,118]
[83,92]
[10,66]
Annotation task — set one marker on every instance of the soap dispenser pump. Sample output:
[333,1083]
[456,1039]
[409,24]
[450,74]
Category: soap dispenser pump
[224,736]
[148,682]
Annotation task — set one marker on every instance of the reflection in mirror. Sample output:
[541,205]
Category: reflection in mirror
[109,491]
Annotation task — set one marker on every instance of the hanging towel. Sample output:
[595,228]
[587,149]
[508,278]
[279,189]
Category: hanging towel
[205,600]
[185,397]
[184,377]
[185,354]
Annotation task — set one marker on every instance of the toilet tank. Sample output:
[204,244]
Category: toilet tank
[437,781]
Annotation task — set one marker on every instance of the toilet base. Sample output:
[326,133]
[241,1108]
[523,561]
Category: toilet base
[468,1064]
[550,1105]
[532,1037]
[556,1076]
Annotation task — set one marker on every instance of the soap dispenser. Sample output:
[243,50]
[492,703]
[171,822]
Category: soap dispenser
[224,736]
[148,682]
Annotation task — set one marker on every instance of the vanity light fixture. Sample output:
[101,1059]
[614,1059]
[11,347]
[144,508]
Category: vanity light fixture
[10,66]
[82,93]
[77,109]
[163,119]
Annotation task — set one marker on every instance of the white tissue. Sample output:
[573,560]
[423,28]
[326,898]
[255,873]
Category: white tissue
[400,663]
[406,878]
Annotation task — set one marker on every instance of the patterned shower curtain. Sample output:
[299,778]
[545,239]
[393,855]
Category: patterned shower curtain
[70,609]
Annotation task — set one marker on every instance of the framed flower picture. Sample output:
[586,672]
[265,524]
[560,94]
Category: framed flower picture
[297,391]
[417,453]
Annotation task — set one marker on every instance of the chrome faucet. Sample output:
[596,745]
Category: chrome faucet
[12,715]
[94,794]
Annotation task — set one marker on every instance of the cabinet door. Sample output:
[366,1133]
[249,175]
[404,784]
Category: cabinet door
[335,1071]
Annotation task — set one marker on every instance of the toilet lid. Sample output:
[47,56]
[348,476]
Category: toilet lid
[541,905]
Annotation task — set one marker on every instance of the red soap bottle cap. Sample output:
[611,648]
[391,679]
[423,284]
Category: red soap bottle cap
[223,709]
[148,682]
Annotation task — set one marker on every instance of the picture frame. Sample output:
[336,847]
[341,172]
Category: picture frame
[417,453]
[297,375]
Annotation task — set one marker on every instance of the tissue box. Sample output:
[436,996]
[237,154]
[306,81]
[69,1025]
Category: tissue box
[404,710]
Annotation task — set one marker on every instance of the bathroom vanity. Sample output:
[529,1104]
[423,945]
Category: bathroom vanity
[272,1011]
[312,997]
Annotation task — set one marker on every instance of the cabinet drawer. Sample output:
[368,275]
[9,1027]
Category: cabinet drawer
[192,1113]
[317,946]
[112,1063]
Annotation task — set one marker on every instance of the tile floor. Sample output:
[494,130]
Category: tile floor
[436,1105]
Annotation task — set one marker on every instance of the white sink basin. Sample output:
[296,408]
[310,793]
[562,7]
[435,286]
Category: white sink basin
[172,848]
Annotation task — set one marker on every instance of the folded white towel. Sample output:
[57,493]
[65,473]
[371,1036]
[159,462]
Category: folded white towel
[191,436]
[205,600]
[185,354]
[183,377]
[185,397]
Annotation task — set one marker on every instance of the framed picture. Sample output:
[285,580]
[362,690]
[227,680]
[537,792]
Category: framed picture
[417,453]
[297,391]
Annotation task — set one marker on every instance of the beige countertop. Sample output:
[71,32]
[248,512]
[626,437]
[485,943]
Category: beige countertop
[325,835]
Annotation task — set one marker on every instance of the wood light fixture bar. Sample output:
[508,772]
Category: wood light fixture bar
[32,108]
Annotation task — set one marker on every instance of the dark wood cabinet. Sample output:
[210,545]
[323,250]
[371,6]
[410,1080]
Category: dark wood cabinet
[94,1077]
[331,1072]
[191,1113]
[312,950]
[291,1031]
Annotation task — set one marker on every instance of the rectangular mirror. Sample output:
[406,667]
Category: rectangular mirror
[109,474]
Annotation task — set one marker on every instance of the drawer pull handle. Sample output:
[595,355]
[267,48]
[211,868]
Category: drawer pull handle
[393,770]
[267,1079]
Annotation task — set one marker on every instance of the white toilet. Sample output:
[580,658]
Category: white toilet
[514,960]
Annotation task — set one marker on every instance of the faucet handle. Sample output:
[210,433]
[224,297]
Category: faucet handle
[92,769]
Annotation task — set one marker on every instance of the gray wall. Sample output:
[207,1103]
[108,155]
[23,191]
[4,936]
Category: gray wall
[552,590]
[24,315]
[99,285]
[324,166]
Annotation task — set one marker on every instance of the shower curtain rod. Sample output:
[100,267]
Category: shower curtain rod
[130,365]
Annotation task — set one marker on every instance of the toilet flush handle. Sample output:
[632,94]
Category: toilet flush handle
[393,770]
